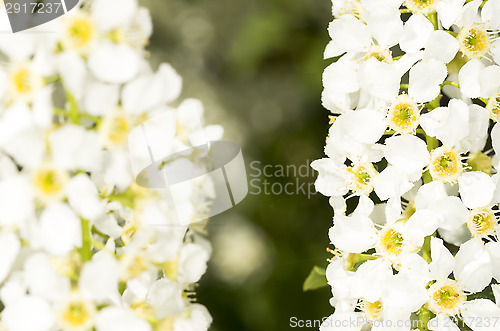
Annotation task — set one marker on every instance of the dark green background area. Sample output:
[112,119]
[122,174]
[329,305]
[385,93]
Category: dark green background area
[257,66]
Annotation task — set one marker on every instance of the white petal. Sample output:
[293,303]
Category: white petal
[331,180]
[469,14]
[151,91]
[476,189]
[74,148]
[379,79]
[478,124]
[443,261]
[122,14]
[165,297]
[456,236]
[495,51]
[114,64]
[420,225]
[353,234]
[481,315]
[468,78]
[449,11]
[405,293]
[16,201]
[9,246]
[99,278]
[43,280]
[449,124]
[473,268]
[100,99]
[490,14]
[452,210]
[425,79]
[429,193]
[73,72]
[371,278]
[417,31]
[441,46]
[365,125]
[59,216]
[84,198]
[349,34]
[493,249]
[391,182]
[118,319]
[489,81]
[41,316]
[408,153]
[341,77]
[386,27]
[193,260]
[495,138]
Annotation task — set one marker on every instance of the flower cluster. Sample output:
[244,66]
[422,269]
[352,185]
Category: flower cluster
[414,93]
[83,247]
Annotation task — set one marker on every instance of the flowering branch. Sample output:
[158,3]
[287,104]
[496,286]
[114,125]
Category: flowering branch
[410,150]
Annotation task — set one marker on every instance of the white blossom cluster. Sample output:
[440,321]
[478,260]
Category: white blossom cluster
[414,93]
[82,247]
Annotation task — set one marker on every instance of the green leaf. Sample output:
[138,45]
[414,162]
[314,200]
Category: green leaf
[316,279]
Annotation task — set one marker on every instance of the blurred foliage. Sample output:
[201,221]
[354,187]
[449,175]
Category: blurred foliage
[257,66]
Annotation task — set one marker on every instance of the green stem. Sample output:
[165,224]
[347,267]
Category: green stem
[86,250]
[434,20]
[449,82]
[426,249]
[74,115]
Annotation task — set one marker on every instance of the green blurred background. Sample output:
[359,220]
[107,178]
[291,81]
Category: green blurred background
[257,66]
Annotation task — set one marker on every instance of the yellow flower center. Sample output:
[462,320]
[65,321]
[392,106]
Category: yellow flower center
[79,32]
[391,241]
[403,115]
[373,310]
[421,6]
[116,129]
[474,41]
[446,298]
[379,53]
[77,315]
[362,178]
[50,182]
[445,165]
[482,222]
[392,245]
[24,81]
